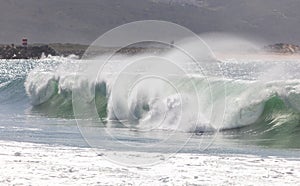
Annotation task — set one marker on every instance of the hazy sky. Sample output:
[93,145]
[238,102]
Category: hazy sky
[82,21]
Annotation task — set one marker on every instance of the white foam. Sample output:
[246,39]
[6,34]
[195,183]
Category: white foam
[38,164]
[199,101]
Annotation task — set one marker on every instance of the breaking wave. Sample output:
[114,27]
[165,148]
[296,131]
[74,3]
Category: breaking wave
[258,106]
[245,99]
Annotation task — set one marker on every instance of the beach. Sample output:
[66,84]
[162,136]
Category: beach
[35,164]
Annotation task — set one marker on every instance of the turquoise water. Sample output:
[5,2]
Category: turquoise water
[261,116]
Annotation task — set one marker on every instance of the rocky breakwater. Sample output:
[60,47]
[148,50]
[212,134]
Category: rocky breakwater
[29,52]
[36,51]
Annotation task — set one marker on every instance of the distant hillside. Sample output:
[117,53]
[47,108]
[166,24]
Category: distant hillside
[78,21]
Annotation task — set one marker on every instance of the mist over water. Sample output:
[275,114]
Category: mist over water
[195,92]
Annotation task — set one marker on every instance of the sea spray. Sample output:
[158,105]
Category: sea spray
[155,104]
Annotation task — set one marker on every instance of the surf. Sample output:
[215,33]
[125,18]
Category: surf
[253,97]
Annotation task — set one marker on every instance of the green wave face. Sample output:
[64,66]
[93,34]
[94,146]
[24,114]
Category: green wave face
[271,119]
[278,126]
[60,103]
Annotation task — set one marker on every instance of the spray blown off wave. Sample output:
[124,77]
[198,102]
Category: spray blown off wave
[240,98]
[245,101]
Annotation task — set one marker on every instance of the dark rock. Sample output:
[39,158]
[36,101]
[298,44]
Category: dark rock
[283,48]
[30,52]
[35,51]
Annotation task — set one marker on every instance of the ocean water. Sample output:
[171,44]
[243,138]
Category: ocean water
[249,107]
[36,100]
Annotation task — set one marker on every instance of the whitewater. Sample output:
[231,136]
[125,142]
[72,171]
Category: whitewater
[134,118]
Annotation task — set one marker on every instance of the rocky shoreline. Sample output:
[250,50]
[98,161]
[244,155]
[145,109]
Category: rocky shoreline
[28,52]
[283,48]
[36,51]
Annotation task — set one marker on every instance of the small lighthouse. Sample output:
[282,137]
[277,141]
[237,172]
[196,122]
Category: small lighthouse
[24,42]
